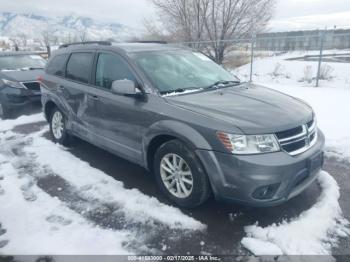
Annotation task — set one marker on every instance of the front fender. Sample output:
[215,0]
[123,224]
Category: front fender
[176,129]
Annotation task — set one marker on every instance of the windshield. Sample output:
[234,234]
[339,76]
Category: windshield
[184,70]
[16,62]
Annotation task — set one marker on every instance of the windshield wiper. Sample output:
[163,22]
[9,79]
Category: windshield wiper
[224,83]
[35,68]
[30,68]
[178,90]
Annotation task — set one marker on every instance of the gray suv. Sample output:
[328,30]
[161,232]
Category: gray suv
[194,125]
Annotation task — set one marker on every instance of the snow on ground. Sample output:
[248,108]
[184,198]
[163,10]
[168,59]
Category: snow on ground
[86,212]
[96,184]
[6,125]
[276,69]
[36,223]
[315,230]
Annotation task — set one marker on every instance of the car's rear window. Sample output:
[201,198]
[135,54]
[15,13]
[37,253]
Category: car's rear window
[79,67]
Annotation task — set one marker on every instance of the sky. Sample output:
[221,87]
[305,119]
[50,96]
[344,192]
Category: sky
[289,14]
[310,14]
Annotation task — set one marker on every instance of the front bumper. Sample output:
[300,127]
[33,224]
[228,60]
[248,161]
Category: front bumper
[16,98]
[237,178]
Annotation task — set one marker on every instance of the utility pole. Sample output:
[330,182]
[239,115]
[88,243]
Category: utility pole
[252,57]
[322,38]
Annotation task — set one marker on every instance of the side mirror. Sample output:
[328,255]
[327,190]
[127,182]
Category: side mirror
[124,87]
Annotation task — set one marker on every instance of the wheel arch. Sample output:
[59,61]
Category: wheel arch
[48,107]
[167,130]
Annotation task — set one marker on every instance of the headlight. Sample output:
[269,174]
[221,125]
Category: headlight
[12,83]
[249,144]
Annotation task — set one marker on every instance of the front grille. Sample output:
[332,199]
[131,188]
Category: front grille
[294,146]
[309,124]
[289,133]
[299,139]
[35,86]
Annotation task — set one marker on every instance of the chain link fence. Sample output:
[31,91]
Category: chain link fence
[310,44]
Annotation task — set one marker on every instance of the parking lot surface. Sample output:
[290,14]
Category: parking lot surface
[225,222]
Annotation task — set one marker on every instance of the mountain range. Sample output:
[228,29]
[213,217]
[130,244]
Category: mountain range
[74,27]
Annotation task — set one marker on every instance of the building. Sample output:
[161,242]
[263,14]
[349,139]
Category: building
[304,40]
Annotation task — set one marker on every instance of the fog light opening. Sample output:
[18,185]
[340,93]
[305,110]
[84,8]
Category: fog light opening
[265,192]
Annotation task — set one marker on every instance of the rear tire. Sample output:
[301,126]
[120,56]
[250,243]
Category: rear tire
[180,175]
[58,127]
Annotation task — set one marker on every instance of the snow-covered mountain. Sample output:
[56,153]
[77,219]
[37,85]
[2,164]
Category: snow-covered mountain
[70,27]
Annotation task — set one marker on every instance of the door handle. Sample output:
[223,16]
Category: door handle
[93,97]
[61,88]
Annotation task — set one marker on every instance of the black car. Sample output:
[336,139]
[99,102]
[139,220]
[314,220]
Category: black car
[190,122]
[19,86]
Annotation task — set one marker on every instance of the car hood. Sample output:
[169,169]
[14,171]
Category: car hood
[21,75]
[251,108]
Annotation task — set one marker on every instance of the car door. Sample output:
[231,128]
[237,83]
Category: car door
[80,94]
[123,119]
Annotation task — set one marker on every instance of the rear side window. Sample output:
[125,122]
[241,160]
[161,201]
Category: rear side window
[56,65]
[79,67]
[110,68]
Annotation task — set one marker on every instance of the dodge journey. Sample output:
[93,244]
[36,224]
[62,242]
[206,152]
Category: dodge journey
[191,123]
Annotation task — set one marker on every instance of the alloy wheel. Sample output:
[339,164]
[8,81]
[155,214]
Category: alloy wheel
[57,125]
[176,175]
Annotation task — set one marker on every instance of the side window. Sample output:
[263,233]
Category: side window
[56,65]
[79,67]
[110,68]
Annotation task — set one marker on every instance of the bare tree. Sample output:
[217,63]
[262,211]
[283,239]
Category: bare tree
[15,42]
[24,39]
[183,19]
[214,20]
[83,36]
[46,38]
[55,40]
[152,32]
[233,19]
[69,38]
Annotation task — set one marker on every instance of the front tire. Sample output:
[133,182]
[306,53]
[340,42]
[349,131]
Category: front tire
[180,175]
[58,127]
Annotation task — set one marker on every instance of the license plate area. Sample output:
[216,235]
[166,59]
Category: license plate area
[315,162]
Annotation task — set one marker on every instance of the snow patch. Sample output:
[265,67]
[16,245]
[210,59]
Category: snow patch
[313,232]
[6,125]
[30,229]
[260,247]
[100,186]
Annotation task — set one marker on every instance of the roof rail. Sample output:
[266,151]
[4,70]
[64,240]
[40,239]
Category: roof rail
[151,42]
[86,43]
